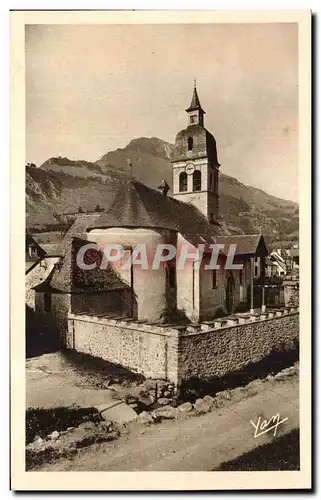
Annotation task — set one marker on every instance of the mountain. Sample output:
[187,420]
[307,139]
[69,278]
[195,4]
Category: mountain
[60,186]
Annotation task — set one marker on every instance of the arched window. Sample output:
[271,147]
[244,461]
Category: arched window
[197,180]
[183,181]
[190,143]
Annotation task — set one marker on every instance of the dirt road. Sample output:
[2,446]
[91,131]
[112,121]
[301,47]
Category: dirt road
[196,443]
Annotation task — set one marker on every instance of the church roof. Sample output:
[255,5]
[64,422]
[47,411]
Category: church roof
[195,103]
[137,205]
[68,277]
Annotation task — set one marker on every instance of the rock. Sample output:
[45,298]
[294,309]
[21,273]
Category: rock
[209,400]
[164,412]
[238,394]
[289,372]
[167,394]
[150,384]
[163,401]
[120,413]
[70,428]
[145,418]
[106,425]
[38,441]
[146,400]
[134,406]
[201,406]
[254,387]
[223,395]
[116,387]
[87,426]
[270,377]
[185,407]
[54,435]
[130,399]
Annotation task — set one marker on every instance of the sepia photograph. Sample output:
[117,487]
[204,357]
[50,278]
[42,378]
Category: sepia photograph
[161,205]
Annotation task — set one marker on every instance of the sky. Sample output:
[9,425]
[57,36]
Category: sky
[91,89]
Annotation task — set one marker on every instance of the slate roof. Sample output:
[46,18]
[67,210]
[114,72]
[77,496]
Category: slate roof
[77,230]
[195,103]
[246,244]
[68,277]
[137,205]
[30,241]
[51,249]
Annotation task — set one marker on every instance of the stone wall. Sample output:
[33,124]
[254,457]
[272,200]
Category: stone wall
[230,347]
[291,293]
[150,350]
[207,350]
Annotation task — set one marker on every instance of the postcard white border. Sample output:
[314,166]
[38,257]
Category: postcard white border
[163,481]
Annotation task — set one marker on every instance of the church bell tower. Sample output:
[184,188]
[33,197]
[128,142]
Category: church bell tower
[195,163]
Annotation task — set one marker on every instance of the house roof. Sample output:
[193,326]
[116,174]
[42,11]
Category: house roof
[246,244]
[270,262]
[30,241]
[68,277]
[137,205]
[51,249]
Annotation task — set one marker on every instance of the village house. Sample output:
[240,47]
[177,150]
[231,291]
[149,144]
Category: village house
[33,251]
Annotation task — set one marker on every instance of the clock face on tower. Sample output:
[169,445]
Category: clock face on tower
[189,169]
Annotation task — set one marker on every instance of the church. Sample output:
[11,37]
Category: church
[142,215]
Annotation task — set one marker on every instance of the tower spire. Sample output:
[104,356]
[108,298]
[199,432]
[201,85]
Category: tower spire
[195,111]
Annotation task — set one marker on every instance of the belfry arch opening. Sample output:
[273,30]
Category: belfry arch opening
[183,181]
[197,181]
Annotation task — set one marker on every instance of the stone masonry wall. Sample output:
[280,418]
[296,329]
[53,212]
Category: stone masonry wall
[214,353]
[147,349]
[207,350]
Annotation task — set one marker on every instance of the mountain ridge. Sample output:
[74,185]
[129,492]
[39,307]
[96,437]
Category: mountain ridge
[60,186]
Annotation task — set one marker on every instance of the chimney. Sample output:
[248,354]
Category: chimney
[163,187]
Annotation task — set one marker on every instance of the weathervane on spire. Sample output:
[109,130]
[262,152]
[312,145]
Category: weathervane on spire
[194,83]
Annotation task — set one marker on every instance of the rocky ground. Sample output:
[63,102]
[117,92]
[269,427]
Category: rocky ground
[154,425]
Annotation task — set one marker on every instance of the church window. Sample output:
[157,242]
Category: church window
[190,143]
[197,180]
[183,181]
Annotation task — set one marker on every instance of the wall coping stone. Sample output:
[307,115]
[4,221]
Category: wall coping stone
[188,329]
[248,322]
[127,325]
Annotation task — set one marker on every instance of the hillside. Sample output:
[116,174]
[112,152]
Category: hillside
[60,186]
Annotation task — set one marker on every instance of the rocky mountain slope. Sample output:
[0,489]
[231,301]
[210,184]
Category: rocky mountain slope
[61,186]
